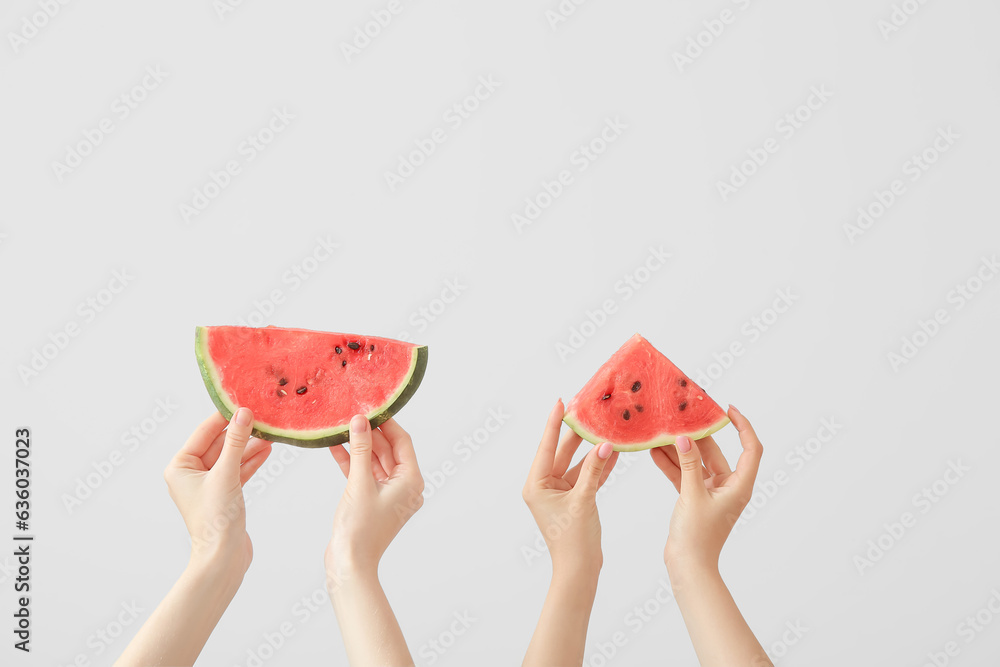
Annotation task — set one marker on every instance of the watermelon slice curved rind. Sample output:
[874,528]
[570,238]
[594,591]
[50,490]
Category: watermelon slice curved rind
[667,439]
[312,439]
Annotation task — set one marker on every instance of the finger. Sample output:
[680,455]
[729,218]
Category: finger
[608,468]
[361,473]
[573,473]
[394,433]
[541,467]
[378,472]
[715,460]
[692,471]
[592,468]
[253,462]
[342,458]
[667,465]
[255,445]
[749,461]
[237,437]
[564,453]
[211,455]
[382,453]
[402,447]
[203,436]
[671,453]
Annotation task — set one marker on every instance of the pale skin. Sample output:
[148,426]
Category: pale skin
[712,496]
[205,479]
[563,502]
[384,489]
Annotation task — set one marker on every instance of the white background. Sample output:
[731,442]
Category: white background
[523,290]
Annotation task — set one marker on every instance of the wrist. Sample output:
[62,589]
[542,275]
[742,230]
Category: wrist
[682,570]
[576,568]
[344,574]
[218,577]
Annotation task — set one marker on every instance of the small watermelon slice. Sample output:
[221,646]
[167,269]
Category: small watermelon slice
[304,386]
[639,400]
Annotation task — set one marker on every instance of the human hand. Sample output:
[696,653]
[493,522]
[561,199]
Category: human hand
[205,479]
[563,502]
[384,489]
[712,496]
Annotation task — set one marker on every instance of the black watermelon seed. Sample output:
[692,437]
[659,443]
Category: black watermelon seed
[344,362]
[371,348]
[638,408]
[683,383]
[605,397]
[636,386]
[683,405]
[626,415]
[338,349]
[283,381]
[282,392]
[301,390]
[354,345]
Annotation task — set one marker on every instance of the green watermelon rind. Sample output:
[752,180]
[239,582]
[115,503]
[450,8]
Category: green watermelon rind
[667,439]
[316,438]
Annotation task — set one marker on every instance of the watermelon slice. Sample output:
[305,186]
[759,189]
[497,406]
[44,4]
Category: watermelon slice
[304,386]
[639,400]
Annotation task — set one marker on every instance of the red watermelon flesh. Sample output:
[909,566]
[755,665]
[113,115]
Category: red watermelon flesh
[304,386]
[639,400]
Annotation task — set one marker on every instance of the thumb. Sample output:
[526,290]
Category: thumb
[237,436]
[360,473]
[590,473]
[689,461]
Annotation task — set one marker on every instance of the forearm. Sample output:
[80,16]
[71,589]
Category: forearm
[179,627]
[561,633]
[368,626]
[720,634]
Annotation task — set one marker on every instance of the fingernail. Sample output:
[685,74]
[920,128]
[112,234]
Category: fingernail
[733,408]
[604,451]
[358,424]
[684,444]
[243,417]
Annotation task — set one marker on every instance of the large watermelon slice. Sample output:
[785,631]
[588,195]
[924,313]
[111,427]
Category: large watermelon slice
[639,400]
[304,386]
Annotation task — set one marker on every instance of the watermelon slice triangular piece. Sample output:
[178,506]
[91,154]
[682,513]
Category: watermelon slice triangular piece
[639,400]
[304,386]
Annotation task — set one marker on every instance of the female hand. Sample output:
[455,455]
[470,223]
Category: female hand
[205,479]
[564,505]
[563,502]
[712,496]
[384,489]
